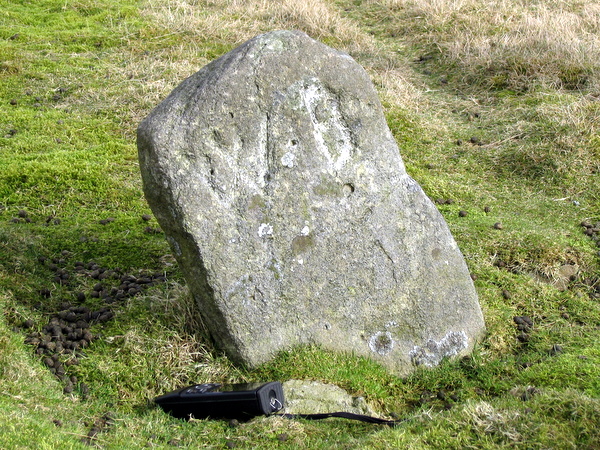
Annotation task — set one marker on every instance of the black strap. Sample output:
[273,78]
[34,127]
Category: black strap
[344,415]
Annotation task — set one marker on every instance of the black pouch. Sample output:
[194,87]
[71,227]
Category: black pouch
[223,401]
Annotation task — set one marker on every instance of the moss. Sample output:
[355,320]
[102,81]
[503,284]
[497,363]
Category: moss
[328,188]
[301,244]
[257,202]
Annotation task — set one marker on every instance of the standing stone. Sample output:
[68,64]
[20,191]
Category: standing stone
[284,198]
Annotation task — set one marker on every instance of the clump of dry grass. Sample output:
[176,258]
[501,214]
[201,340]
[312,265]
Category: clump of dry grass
[396,87]
[178,307]
[486,419]
[173,360]
[138,81]
[535,254]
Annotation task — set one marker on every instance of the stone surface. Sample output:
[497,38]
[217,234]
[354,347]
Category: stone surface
[314,397]
[285,200]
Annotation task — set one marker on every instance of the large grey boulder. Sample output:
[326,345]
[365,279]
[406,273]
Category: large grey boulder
[284,198]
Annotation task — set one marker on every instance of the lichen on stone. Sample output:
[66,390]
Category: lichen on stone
[265,229]
[287,160]
[432,353]
[381,342]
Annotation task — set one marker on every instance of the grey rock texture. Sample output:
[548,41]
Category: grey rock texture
[314,397]
[285,200]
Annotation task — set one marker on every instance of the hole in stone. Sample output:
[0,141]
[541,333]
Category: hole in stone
[294,142]
[348,189]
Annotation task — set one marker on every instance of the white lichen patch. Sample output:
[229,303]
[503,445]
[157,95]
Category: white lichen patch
[287,160]
[265,229]
[305,231]
[330,132]
[432,353]
[381,343]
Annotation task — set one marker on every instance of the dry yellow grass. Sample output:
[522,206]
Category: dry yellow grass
[492,421]
[501,43]
[513,44]
[234,21]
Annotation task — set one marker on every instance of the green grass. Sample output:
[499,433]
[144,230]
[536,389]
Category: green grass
[506,137]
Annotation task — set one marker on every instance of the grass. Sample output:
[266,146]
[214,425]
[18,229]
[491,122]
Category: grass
[495,108]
